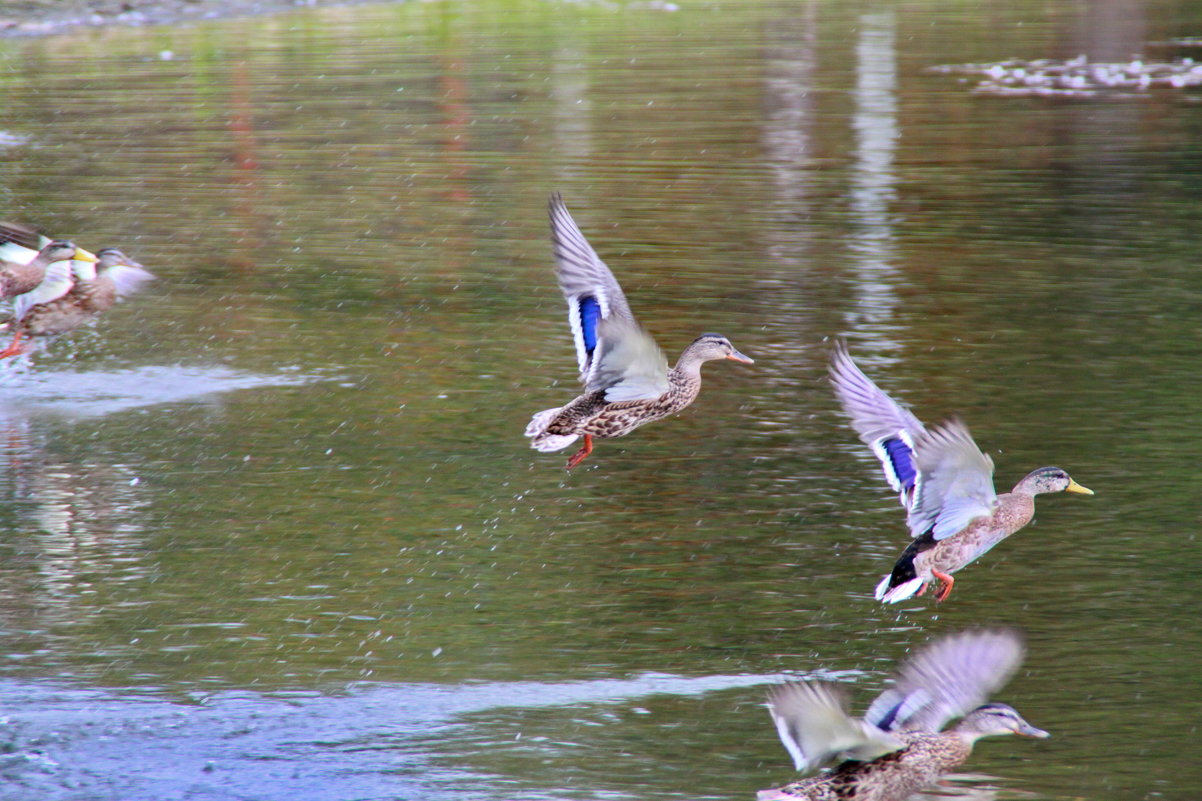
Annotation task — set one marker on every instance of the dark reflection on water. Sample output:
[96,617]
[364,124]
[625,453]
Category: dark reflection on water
[297,463]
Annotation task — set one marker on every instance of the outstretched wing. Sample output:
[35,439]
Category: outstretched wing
[947,679]
[58,282]
[592,292]
[812,721]
[954,484]
[884,425]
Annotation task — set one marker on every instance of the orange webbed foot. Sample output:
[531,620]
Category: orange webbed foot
[584,451]
[14,348]
[946,589]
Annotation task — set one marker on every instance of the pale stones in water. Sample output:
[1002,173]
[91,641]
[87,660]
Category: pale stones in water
[1079,77]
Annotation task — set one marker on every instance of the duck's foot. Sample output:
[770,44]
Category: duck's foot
[15,348]
[946,589]
[584,451]
[921,590]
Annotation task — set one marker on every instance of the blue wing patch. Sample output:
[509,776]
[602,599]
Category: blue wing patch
[590,315]
[901,459]
[889,718]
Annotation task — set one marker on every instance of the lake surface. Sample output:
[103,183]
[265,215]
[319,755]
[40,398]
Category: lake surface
[271,530]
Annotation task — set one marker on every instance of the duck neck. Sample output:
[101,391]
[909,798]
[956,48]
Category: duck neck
[689,364]
[962,741]
[1029,487]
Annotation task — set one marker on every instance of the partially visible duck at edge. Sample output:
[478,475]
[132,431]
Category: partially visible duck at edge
[73,294]
[898,747]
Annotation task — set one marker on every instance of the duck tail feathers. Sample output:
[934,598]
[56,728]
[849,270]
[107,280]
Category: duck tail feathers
[544,442]
[891,595]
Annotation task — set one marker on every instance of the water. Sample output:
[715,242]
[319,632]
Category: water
[272,531]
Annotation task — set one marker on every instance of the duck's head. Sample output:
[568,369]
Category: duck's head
[1051,479]
[111,257]
[62,250]
[708,347]
[994,719]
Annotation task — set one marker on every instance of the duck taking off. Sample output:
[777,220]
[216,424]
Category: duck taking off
[627,381]
[22,269]
[898,747]
[74,293]
[945,484]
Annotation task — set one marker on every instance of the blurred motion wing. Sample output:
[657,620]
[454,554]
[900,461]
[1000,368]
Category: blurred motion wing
[947,679]
[630,366]
[954,484]
[812,721]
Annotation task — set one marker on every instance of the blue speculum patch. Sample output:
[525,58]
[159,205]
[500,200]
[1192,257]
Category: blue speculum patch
[889,718]
[902,459]
[590,315]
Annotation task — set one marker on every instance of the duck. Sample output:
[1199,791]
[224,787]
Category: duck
[899,746]
[74,293]
[944,482]
[626,378]
[22,269]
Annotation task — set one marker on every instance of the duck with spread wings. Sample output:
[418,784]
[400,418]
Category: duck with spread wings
[627,381]
[945,484]
[899,746]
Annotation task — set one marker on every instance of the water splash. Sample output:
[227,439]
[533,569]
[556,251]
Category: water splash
[100,392]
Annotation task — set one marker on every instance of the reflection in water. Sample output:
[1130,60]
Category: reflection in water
[75,520]
[872,190]
[789,84]
[571,118]
[29,393]
[788,139]
[71,522]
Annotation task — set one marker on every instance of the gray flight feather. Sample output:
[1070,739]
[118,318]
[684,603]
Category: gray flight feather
[955,482]
[874,415]
[630,366]
[58,282]
[582,274]
[947,679]
[814,725]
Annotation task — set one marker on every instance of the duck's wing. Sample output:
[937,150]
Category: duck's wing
[593,296]
[884,425]
[954,484]
[16,253]
[627,363]
[127,278]
[814,725]
[58,282]
[947,679]
[23,237]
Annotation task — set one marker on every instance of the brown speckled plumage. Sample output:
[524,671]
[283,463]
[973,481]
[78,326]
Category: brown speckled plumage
[625,375]
[897,748]
[86,300]
[17,279]
[925,556]
[892,777]
[77,297]
[944,481]
[591,414]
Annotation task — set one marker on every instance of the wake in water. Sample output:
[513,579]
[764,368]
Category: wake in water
[99,392]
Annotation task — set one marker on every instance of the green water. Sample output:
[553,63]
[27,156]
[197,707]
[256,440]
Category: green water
[273,527]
